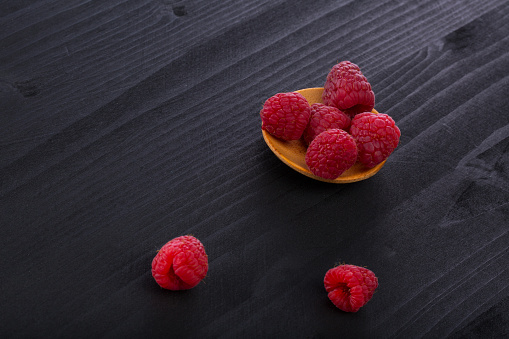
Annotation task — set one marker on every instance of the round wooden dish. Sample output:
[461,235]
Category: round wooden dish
[293,152]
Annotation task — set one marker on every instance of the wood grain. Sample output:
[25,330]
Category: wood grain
[126,123]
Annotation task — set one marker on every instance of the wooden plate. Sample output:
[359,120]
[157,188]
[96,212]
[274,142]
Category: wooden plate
[293,152]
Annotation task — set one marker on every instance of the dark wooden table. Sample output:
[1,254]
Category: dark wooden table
[124,124]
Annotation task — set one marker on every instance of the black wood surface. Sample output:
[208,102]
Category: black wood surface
[124,124]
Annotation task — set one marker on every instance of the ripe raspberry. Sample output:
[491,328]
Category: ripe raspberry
[376,135]
[331,153]
[323,118]
[350,287]
[180,264]
[348,89]
[285,115]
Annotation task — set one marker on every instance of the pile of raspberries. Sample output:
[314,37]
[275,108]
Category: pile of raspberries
[340,131]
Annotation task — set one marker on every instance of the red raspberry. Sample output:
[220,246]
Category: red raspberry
[331,153]
[285,115]
[323,118]
[348,89]
[180,264]
[376,135]
[350,287]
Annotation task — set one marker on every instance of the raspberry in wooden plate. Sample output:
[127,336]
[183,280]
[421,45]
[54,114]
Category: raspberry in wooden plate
[285,115]
[348,89]
[324,117]
[331,153]
[376,136]
[293,152]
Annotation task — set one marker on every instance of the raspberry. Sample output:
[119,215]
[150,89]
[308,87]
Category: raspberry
[180,264]
[376,135]
[285,115]
[331,153]
[348,89]
[350,287]
[323,118]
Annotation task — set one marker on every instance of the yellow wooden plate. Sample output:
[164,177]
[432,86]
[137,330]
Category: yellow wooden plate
[293,152]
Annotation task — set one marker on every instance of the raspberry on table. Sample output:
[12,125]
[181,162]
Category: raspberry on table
[348,89]
[331,153]
[376,136]
[323,118]
[350,287]
[285,115]
[180,264]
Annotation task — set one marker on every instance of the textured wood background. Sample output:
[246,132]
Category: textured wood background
[124,124]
